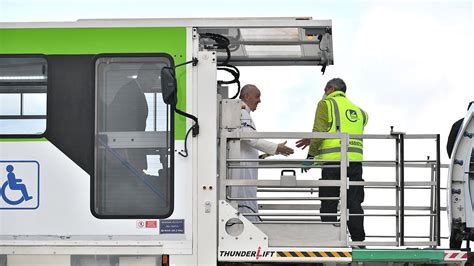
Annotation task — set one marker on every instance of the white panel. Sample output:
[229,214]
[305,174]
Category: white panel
[280,34]
[179,22]
[207,159]
[63,214]
[39,260]
[137,261]
[273,51]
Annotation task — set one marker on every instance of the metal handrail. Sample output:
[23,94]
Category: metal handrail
[284,198]
[311,186]
[315,206]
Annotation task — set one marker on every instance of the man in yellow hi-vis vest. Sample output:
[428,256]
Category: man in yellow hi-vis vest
[335,113]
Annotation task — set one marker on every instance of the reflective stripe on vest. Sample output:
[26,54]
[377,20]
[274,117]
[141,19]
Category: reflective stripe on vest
[346,117]
[336,114]
[350,149]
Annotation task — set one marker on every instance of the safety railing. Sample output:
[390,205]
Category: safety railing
[230,159]
[303,204]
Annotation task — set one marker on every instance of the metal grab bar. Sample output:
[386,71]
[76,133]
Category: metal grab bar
[312,206]
[330,214]
[266,163]
[293,221]
[284,198]
[394,215]
[275,183]
[286,214]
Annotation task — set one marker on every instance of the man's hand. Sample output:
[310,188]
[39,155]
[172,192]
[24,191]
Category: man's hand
[283,149]
[306,169]
[303,143]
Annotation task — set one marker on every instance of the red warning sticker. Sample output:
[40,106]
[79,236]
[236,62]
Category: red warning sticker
[142,224]
[151,224]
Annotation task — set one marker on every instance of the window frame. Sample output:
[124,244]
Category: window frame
[47,84]
[171,146]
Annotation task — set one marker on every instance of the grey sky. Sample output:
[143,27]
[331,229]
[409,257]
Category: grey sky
[408,63]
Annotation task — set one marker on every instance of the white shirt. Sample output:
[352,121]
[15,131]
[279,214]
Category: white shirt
[249,150]
[250,147]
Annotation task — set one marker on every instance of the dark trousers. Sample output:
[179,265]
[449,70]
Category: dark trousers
[355,197]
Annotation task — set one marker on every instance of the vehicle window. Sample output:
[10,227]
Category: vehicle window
[23,88]
[134,131]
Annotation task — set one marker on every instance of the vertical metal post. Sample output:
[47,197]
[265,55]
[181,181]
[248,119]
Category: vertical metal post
[402,190]
[397,190]
[21,104]
[222,167]
[205,169]
[343,187]
[155,111]
[432,205]
[438,188]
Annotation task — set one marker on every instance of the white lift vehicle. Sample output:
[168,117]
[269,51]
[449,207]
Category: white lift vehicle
[100,165]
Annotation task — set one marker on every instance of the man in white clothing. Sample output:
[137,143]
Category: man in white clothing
[250,96]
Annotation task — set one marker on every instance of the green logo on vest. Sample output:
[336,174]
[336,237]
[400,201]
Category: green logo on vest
[352,115]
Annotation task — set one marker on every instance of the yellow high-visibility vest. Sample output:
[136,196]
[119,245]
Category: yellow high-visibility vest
[343,116]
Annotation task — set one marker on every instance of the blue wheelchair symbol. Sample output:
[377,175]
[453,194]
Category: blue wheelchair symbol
[13,183]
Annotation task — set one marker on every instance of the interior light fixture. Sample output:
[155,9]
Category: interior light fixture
[22,77]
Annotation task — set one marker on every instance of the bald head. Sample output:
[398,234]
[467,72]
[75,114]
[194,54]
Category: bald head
[246,89]
[250,95]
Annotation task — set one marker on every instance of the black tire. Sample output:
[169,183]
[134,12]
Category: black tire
[455,239]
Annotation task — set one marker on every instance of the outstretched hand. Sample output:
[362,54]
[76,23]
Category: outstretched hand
[303,143]
[283,149]
[305,167]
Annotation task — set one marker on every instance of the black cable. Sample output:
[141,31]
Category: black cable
[236,76]
[185,151]
[190,116]
[194,128]
[325,50]
[234,71]
[320,38]
[194,61]
[250,208]
[222,42]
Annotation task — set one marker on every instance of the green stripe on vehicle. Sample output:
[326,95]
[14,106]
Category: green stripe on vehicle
[397,255]
[2,139]
[71,41]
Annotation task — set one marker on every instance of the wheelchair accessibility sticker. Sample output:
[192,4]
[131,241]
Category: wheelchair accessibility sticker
[19,182]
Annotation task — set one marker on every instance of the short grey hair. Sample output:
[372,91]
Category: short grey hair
[245,90]
[338,84]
